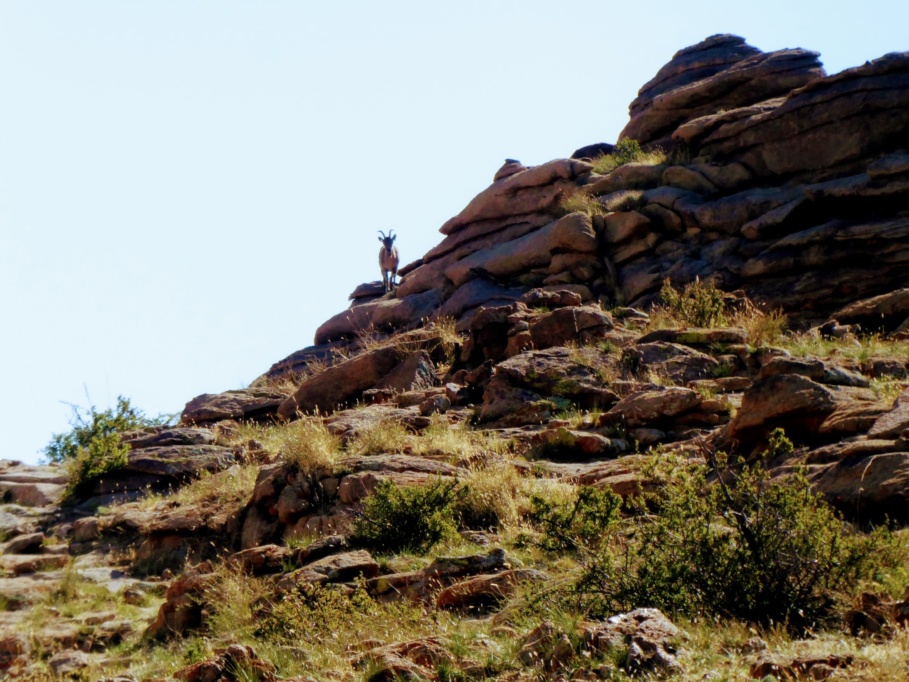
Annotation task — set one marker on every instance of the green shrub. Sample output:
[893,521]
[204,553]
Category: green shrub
[104,454]
[699,304]
[411,518]
[778,445]
[89,425]
[627,151]
[761,550]
[93,448]
[571,524]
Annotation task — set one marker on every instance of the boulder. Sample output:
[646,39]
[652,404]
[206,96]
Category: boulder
[334,568]
[183,605]
[574,232]
[851,419]
[226,664]
[592,151]
[510,167]
[793,402]
[579,324]
[675,362]
[263,559]
[352,422]
[164,436]
[567,444]
[369,290]
[694,336]
[341,383]
[413,660]
[31,494]
[692,64]
[243,404]
[66,663]
[21,564]
[649,635]
[891,424]
[867,488]
[887,312]
[483,592]
[527,388]
[306,361]
[546,647]
[653,407]
[415,372]
[156,469]
[624,226]
[158,466]
[536,189]
[382,314]
[25,544]
[473,295]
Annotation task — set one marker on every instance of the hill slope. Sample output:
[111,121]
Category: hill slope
[578,430]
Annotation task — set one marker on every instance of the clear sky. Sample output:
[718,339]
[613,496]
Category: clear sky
[188,189]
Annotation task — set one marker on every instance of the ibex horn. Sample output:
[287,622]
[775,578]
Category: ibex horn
[381,233]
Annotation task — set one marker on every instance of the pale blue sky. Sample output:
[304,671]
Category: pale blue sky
[188,189]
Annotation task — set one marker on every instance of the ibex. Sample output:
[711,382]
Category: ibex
[388,259]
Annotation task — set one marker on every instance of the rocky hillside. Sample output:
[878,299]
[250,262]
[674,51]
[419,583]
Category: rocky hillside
[704,323]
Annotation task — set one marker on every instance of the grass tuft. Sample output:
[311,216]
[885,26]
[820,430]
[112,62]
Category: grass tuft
[627,151]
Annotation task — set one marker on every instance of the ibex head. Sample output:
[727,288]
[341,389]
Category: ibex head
[389,240]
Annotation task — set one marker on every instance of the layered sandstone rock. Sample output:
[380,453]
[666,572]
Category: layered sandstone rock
[720,73]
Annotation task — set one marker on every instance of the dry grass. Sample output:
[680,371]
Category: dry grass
[703,305]
[231,599]
[888,390]
[859,349]
[459,442]
[627,151]
[763,328]
[494,495]
[581,202]
[231,486]
[386,436]
[305,443]
[429,337]
[716,647]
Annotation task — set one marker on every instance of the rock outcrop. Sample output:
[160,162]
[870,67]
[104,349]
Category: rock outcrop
[794,192]
[718,74]
[532,322]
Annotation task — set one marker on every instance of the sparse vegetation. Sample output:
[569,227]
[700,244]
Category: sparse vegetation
[437,337]
[493,497]
[386,436]
[702,304]
[627,151]
[231,486]
[581,202]
[457,442]
[306,443]
[857,348]
[728,549]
